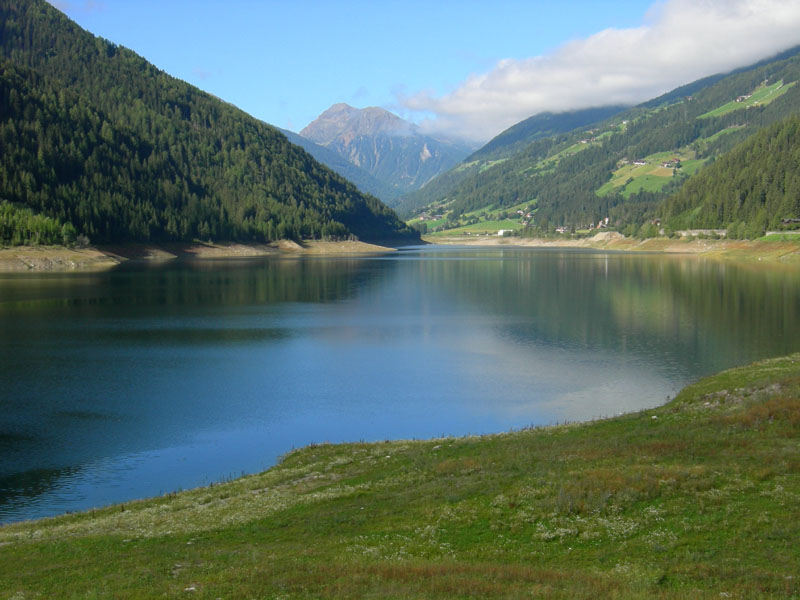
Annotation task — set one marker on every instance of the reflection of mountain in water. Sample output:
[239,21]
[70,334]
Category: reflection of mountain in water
[182,374]
[89,362]
[692,311]
[216,283]
[22,489]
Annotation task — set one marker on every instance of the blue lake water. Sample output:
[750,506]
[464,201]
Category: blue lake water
[153,378]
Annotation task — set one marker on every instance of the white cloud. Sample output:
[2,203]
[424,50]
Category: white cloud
[681,41]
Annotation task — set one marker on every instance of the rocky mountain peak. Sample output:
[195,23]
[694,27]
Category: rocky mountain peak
[342,121]
[389,148]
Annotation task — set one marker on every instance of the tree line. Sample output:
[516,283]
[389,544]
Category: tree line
[94,136]
[752,188]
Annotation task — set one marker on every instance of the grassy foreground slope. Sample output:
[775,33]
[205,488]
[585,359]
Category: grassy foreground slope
[696,499]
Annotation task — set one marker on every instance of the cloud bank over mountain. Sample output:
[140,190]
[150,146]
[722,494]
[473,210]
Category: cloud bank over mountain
[681,41]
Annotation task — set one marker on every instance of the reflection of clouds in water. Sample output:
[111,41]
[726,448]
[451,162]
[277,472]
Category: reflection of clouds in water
[629,392]
[544,383]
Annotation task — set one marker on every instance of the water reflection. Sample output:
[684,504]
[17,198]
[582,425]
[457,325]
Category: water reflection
[152,378]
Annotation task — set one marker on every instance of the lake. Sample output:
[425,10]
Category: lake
[152,378]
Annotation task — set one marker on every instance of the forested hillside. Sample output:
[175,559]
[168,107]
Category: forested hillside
[753,187]
[500,148]
[94,136]
[524,133]
[626,165]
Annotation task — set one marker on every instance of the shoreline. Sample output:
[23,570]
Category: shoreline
[27,259]
[743,250]
[651,490]
[22,259]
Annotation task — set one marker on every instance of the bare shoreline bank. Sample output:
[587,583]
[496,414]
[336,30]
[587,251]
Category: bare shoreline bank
[60,258]
[741,250]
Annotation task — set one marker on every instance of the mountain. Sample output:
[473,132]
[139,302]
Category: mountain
[389,148]
[624,166]
[363,180]
[98,139]
[503,146]
[753,187]
[539,126]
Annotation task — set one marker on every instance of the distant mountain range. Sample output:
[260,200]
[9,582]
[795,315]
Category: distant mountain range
[571,170]
[506,144]
[542,125]
[363,180]
[96,141]
[390,149]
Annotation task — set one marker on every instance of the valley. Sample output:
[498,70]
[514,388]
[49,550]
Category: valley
[515,314]
[626,167]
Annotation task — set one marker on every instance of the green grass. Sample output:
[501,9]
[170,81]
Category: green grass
[695,499]
[482,227]
[652,176]
[493,212]
[762,95]
[553,159]
[690,167]
[465,166]
[490,224]
[789,236]
[714,137]
[489,164]
[547,164]
[430,222]
[648,183]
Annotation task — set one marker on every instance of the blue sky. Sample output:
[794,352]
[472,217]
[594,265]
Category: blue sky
[466,68]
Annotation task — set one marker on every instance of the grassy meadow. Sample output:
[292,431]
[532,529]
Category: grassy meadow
[763,94]
[696,499]
[489,227]
[652,176]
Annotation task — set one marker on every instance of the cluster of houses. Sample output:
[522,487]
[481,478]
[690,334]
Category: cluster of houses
[525,217]
[591,139]
[430,217]
[672,163]
[601,224]
[743,98]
